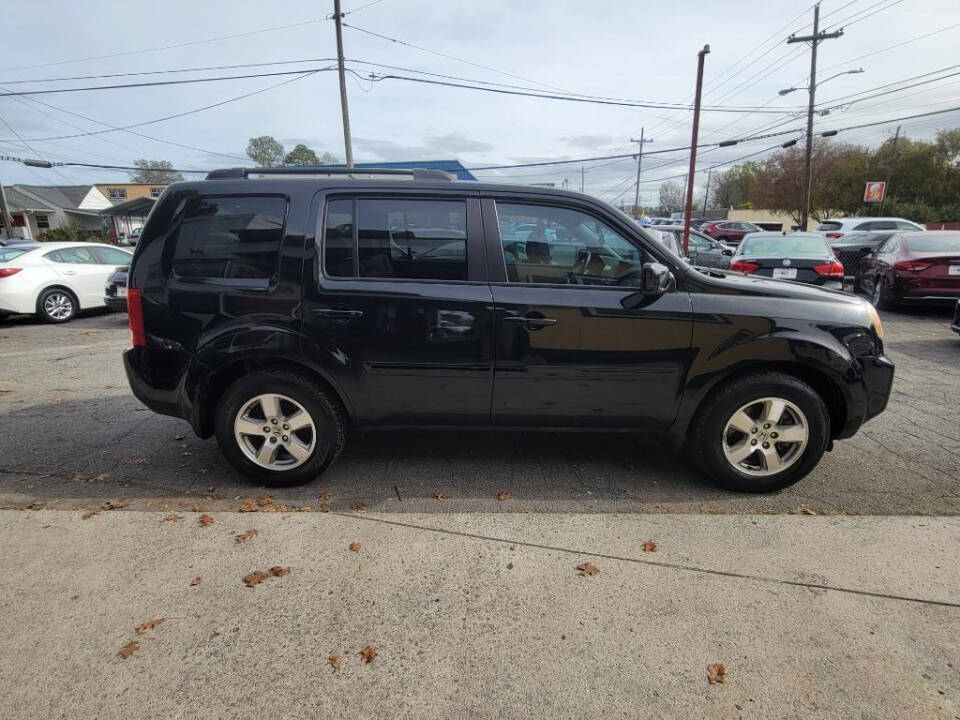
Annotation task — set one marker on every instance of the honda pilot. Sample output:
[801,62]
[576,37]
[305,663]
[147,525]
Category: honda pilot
[276,308]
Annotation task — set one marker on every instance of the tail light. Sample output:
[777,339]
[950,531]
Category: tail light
[744,267]
[834,234]
[912,265]
[7,272]
[135,317]
[709,228]
[831,269]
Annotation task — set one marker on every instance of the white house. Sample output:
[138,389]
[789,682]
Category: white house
[37,208]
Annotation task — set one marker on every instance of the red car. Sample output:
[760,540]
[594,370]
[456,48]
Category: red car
[728,230]
[914,266]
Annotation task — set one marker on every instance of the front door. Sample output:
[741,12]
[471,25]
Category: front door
[396,309]
[577,345]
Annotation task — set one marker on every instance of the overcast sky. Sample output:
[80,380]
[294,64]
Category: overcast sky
[632,49]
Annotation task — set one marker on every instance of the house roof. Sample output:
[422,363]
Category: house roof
[66,197]
[18,202]
[137,206]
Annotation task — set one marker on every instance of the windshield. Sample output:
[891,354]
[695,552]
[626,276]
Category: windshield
[931,242]
[7,254]
[782,246]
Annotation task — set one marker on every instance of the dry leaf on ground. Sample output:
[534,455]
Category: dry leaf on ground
[59,399]
[89,332]
[89,514]
[150,625]
[173,518]
[716,673]
[206,519]
[334,661]
[368,654]
[197,508]
[324,496]
[279,571]
[439,495]
[650,546]
[805,510]
[255,578]
[277,509]
[115,504]
[102,477]
[244,536]
[31,506]
[587,569]
[503,495]
[358,506]
[129,649]
[265,500]
[248,506]
[354,546]
[196,581]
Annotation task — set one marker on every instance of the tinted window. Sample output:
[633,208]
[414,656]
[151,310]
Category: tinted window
[75,255]
[888,247]
[229,237]
[338,239]
[783,246]
[112,256]
[7,254]
[412,239]
[904,225]
[543,244]
[931,242]
[829,226]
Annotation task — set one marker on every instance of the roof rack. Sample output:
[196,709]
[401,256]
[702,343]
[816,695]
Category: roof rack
[414,173]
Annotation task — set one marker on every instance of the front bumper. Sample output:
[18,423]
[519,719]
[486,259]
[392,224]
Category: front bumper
[875,388]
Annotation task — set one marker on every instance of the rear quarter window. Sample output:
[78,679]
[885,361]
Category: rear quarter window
[829,226]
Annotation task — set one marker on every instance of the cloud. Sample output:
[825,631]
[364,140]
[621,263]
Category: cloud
[437,147]
[590,142]
[454,142]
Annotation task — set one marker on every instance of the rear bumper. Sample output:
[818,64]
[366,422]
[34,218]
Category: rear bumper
[117,304]
[166,401]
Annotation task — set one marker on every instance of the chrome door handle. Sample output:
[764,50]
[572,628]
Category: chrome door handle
[69,272]
[530,322]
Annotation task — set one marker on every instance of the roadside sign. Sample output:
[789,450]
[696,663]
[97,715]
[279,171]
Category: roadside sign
[874,192]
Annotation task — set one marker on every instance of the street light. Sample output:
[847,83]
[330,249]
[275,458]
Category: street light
[787,91]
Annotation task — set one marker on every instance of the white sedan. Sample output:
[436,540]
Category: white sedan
[55,280]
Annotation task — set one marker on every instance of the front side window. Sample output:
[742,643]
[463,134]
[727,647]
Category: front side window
[402,238]
[235,237]
[75,255]
[555,245]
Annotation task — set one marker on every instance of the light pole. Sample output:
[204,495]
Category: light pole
[641,141]
[787,91]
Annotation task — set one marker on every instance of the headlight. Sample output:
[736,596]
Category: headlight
[875,320]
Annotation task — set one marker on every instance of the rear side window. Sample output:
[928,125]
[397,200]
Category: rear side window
[7,254]
[236,237]
[401,238]
[77,255]
[112,256]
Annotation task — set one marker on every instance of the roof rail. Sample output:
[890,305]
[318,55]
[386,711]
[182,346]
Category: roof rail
[414,173]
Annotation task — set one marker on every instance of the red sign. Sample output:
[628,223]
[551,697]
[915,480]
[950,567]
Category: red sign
[874,192]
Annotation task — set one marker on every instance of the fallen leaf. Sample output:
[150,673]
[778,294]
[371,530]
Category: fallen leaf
[196,581]
[197,508]
[173,518]
[129,649]
[503,495]
[244,536]
[650,546]
[716,673]
[354,546]
[102,477]
[141,629]
[59,399]
[89,514]
[358,506]
[248,506]
[439,495]
[805,510]
[323,508]
[255,578]
[368,654]
[526,511]
[334,661]
[324,496]
[206,519]
[277,509]
[278,571]
[89,332]
[31,506]
[265,500]
[304,508]
[587,569]
[115,504]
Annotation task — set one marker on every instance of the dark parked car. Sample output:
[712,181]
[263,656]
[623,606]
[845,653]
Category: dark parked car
[851,248]
[912,267]
[955,326]
[115,293]
[729,231]
[801,256]
[703,250]
[274,308]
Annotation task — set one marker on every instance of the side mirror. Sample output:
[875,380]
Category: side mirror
[726,251]
[657,279]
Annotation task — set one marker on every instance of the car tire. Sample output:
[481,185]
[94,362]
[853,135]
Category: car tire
[56,305]
[857,283]
[881,297]
[311,449]
[717,442]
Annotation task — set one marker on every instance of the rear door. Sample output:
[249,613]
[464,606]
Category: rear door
[572,347]
[396,307]
[80,270]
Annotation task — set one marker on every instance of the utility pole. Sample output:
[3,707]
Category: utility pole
[642,140]
[581,178]
[5,213]
[893,159]
[347,144]
[814,41]
[688,210]
[706,195]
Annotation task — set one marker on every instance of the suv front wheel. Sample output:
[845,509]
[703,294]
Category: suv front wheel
[279,428]
[761,432]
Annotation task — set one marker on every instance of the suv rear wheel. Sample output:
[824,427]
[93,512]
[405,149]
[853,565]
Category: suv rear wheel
[761,432]
[279,428]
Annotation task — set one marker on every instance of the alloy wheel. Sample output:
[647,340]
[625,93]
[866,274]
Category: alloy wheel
[765,436]
[275,432]
[58,306]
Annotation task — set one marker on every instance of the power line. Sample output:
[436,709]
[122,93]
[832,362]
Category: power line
[890,47]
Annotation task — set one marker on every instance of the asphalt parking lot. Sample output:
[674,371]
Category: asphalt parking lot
[73,436]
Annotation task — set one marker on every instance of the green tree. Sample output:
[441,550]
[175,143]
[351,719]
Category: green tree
[265,151]
[150,172]
[301,156]
[732,189]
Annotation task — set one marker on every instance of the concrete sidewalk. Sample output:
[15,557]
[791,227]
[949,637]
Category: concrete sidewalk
[480,616]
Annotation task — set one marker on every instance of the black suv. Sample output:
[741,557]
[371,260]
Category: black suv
[275,308]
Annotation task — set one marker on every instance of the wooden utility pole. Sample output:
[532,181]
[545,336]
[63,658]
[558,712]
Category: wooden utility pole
[642,140]
[688,207]
[814,41]
[893,160]
[706,195]
[347,144]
